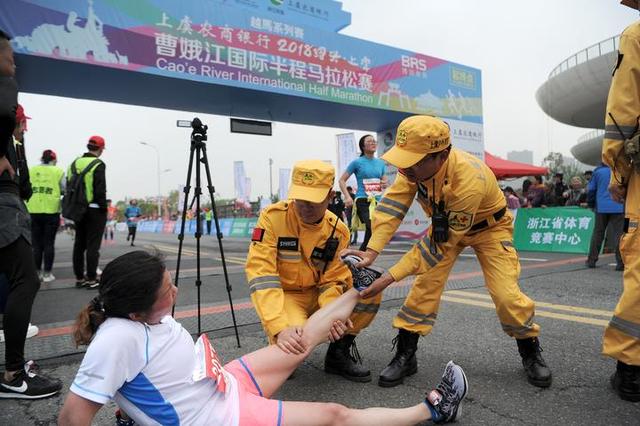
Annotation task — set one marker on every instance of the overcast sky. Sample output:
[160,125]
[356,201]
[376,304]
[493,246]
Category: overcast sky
[514,43]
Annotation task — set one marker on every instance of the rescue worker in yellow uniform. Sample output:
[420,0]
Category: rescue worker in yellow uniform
[467,208]
[620,151]
[293,269]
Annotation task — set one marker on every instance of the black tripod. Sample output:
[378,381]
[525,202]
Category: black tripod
[199,152]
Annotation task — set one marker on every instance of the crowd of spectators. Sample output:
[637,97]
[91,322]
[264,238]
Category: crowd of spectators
[538,193]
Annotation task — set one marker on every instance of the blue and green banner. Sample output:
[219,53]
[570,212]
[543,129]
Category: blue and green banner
[240,227]
[277,46]
[554,229]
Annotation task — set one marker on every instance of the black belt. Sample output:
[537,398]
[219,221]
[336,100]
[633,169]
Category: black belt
[485,223]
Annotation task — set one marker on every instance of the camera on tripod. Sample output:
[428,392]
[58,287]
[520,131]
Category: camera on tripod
[199,133]
[198,157]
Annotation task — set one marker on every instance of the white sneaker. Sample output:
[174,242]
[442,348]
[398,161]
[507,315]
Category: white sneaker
[47,277]
[445,400]
[31,331]
[98,272]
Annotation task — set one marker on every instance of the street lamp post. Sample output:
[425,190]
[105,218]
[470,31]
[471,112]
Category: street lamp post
[270,180]
[158,173]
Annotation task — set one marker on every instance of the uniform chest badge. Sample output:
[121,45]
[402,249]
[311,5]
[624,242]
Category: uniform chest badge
[459,221]
[288,243]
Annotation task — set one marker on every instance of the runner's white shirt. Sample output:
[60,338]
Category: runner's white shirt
[147,370]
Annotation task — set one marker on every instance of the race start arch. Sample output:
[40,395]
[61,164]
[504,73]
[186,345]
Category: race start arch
[276,60]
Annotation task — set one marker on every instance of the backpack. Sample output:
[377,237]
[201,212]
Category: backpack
[74,202]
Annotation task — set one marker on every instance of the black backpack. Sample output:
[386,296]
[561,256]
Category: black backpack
[74,202]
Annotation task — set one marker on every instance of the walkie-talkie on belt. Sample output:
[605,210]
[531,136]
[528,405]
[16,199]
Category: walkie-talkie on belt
[331,247]
[439,221]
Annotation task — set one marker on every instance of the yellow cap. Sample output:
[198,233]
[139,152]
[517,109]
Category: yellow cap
[417,136]
[311,180]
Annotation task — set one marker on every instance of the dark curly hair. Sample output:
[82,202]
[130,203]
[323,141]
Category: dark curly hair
[129,285]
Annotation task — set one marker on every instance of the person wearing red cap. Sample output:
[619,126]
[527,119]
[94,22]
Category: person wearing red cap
[47,183]
[24,184]
[90,228]
[19,380]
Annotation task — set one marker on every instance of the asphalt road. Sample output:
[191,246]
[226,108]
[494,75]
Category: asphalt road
[573,305]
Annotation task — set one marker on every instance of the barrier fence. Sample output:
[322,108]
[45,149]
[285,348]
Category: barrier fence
[552,229]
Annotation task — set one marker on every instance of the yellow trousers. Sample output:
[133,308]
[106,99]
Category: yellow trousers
[501,269]
[300,305]
[622,336]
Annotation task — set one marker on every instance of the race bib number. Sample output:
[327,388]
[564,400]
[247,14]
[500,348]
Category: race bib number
[372,186]
[208,364]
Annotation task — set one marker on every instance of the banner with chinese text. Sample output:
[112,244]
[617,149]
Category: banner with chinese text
[555,229]
[257,48]
[347,152]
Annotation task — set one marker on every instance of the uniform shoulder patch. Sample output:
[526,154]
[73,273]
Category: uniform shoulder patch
[257,234]
[459,221]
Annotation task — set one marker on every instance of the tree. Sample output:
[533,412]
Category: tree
[555,162]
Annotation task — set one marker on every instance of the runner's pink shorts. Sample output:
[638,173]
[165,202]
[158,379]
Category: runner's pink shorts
[255,409]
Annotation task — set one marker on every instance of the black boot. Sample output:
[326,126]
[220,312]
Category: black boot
[343,359]
[404,362]
[537,371]
[626,381]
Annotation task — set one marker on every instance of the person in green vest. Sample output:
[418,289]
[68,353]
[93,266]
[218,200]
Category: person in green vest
[90,228]
[47,182]
[208,216]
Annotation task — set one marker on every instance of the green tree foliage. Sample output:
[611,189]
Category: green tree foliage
[555,162]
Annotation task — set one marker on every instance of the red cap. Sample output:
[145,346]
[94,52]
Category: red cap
[97,141]
[49,153]
[21,117]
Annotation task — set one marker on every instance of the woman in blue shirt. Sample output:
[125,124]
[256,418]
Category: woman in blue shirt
[370,179]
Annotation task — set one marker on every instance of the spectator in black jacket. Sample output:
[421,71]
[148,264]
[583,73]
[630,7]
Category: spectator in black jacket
[19,379]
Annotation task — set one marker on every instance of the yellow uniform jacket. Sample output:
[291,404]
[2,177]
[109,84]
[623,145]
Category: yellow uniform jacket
[284,257]
[622,336]
[470,193]
[624,105]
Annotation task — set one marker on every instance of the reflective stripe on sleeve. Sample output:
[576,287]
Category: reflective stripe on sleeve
[389,211]
[265,282]
[627,327]
[364,307]
[426,256]
[289,256]
[612,132]
[394,203]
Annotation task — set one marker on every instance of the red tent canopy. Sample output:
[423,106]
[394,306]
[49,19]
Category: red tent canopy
[504,169]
